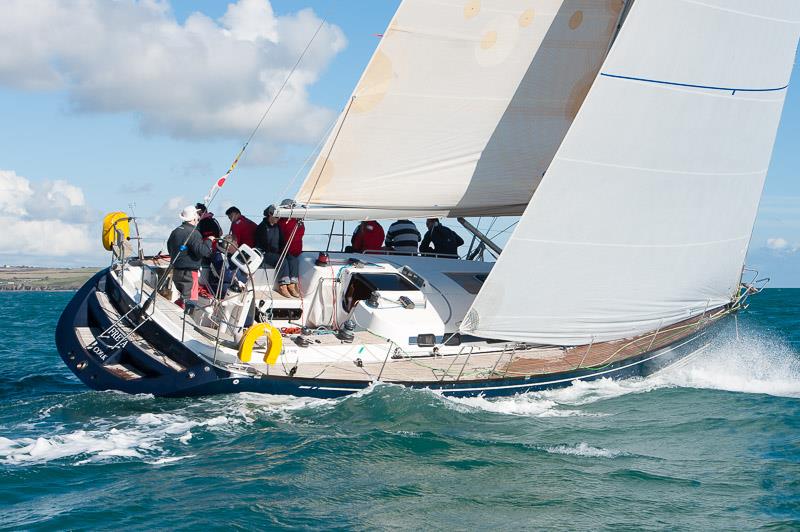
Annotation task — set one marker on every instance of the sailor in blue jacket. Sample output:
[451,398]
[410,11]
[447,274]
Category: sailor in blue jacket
[445,241]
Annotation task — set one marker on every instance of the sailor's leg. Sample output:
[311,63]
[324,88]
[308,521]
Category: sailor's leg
[183,282]
[194,292]
[293,266]
[293,271]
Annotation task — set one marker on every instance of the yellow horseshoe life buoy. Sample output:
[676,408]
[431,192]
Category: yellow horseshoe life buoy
[274,342]
[111,223]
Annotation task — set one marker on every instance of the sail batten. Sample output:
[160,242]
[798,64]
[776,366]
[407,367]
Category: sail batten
[462,107]
[644,216]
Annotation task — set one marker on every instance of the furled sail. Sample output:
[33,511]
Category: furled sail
[645,214]
[461,108]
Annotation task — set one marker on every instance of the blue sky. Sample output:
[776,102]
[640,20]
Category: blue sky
[110,103]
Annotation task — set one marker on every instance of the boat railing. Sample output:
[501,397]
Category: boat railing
[686,327]
[591,343]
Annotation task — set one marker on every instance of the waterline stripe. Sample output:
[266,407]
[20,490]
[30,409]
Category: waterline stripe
[733,90]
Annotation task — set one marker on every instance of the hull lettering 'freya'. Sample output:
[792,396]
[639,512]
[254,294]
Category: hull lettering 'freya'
[631,137]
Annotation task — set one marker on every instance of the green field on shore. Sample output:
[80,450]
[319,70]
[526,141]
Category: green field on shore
[35,279]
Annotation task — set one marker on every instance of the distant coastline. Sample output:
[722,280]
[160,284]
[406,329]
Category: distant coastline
[35,279]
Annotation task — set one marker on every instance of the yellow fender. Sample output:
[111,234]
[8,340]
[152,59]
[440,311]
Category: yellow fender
[274,342]
[109,235]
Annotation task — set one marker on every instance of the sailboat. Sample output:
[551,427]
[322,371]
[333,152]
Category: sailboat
[632,138]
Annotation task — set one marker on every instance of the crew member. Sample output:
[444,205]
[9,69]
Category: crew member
[445,241]
[186,250]
[293,231]
[403,236]
[368,236]
[270,241]
[208,225]
[243,230]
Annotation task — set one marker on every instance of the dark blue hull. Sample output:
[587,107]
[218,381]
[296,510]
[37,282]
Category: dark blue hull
[94,364]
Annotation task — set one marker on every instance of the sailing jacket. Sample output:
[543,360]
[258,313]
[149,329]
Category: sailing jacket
[403,236]
[187,256]
[287,225]
[209,226]
[244,231]
[367,236]
[445,241]
[269,238]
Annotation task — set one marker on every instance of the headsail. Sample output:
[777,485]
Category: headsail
[645,214]
[461,108]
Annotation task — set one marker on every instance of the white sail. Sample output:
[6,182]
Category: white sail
[645,214]
[461,108]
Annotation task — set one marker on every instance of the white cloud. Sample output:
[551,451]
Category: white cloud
[44,219]
[14,193]
[777,243]
[48,222]
[250,20]
[201,78]
[47,238]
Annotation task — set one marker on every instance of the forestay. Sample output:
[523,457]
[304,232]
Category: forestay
[645,214]
[461,108]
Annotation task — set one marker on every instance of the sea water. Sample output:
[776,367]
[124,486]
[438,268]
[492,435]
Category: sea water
[712,444]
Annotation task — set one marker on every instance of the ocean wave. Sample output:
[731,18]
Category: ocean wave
[754,364]
[587,392]
[252,406]
[530,404]
[583,449]
[141,428]
[561,402]
[140,437]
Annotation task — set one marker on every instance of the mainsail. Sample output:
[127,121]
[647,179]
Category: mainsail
[461,108]
[645,214]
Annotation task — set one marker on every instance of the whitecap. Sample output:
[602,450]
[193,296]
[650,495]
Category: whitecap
[252,406]
[586,392]
[78,443]
[170,459]
[134,437]
[530,404]
[751,365]
[583,449]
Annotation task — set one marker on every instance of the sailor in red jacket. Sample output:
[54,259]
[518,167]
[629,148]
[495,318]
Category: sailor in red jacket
[243,229]
[293,231]
[368,236]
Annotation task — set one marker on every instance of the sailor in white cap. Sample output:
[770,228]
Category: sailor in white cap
[187,249]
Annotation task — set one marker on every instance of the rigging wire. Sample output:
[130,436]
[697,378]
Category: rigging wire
[285,81]
[503,230]
[221,181]
[300,221]
[313,152]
